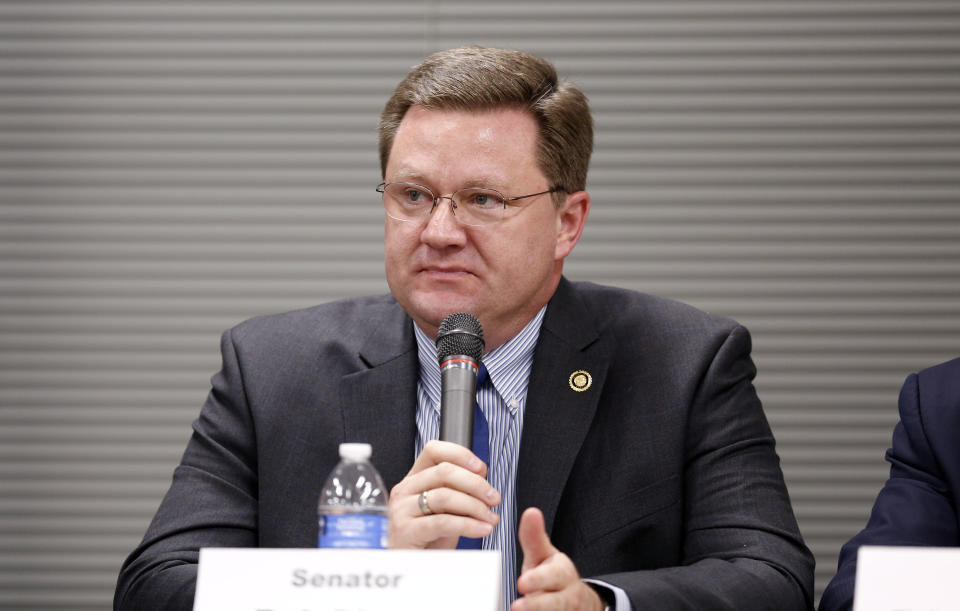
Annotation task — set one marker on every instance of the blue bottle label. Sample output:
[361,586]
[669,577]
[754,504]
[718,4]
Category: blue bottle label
[353,530]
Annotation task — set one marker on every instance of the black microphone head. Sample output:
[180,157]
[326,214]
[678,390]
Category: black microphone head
[460,334]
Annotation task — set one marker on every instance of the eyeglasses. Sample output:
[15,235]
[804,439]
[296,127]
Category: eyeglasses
[407,201]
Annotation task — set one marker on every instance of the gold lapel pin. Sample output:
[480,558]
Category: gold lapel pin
[580,380]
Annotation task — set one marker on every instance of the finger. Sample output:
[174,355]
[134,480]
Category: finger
[436,452]
[533,538]
[447,500]
[422,532]
[544,601]
[437,530]
[553,574]
[581,597]
[447,475]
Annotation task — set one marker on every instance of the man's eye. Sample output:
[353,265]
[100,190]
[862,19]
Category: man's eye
[413,196]
[483,200]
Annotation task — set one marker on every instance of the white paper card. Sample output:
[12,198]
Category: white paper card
[265,579]
[907,579]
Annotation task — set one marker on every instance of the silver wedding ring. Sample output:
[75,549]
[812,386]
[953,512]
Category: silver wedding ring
[424,507]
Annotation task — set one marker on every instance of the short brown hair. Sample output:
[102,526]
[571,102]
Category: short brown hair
[480,78]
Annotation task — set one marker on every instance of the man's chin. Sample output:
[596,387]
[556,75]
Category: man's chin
[431,308]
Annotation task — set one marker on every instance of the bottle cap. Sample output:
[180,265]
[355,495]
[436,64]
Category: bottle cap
[356,451]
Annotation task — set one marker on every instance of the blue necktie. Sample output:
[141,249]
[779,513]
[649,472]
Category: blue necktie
[481,447]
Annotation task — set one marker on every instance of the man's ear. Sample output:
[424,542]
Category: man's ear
[571,218]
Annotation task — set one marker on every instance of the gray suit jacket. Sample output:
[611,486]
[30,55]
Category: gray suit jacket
[661,478]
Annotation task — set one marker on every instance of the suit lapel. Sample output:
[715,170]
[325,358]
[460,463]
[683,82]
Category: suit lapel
[379,403]
[557,417]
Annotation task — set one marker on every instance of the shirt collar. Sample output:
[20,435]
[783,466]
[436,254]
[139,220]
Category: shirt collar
[508,365]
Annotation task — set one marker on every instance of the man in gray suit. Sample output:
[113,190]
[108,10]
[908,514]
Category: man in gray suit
[631,465]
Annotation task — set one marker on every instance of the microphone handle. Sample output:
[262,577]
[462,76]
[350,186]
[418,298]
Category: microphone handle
[458,397]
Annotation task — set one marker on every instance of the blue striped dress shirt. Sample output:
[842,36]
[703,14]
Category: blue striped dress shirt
[502,404]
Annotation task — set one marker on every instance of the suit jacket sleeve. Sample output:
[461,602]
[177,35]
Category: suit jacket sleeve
[211,502]
[741,548]
[915,506]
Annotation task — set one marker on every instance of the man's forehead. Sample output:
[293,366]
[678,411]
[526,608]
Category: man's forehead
[479,179]
[472,148]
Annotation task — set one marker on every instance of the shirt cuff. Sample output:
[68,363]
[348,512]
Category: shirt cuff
[620,600]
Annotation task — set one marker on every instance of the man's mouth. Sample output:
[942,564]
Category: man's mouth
[444,272]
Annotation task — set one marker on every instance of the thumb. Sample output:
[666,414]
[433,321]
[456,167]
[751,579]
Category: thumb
[534,542]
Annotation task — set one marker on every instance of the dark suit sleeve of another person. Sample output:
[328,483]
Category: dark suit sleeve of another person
[918,503]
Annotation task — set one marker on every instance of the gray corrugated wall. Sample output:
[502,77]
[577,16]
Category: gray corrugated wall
[168,169]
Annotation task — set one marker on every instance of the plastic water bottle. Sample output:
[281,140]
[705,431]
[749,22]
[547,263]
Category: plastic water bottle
[352,511]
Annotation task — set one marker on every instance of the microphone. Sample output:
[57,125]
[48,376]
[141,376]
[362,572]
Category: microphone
[459,349]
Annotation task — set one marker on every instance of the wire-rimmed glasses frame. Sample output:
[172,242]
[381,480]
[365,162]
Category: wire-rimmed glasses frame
[411,202]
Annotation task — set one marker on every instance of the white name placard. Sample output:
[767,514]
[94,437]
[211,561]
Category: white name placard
[264,579]
[907,579]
